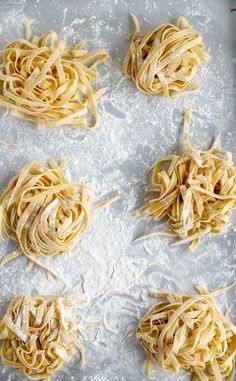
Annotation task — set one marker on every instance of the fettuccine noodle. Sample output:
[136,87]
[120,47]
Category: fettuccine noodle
[7,144]
[197,191]
[44,212]
[189,334]
[39,335]
[165,60]
[46,83]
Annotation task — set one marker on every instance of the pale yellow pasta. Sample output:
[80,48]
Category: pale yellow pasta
[195,190]
[39,335]
[46,83]
[189,334]
[165,60]
[42,211]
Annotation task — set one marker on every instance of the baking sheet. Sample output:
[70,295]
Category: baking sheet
[117,158]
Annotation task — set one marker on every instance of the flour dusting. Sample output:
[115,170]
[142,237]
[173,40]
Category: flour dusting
[116,159]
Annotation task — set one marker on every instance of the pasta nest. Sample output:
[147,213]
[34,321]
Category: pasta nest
[165,60]
[43,82]
[43,211]
[189,334]
[39,335]
[196,191]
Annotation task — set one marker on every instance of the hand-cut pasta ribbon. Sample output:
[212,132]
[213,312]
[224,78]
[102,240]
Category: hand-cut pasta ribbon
[49,85]
[44,212]
[189,334]
[7,144]
[165,60]
[197,191]
[39,335]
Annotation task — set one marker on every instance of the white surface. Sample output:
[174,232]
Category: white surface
[117,157]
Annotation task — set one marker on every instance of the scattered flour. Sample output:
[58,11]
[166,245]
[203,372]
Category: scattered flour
[117,158]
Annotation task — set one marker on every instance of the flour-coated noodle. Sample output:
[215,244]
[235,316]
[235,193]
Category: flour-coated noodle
[40,334]
[197,191]
[46,83]
[8,144]
[165,60]
[189,334]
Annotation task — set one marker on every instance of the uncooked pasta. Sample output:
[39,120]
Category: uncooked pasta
[189,334]
[46,83]
[195,190]
[39,335]
[43,212]
[165,60]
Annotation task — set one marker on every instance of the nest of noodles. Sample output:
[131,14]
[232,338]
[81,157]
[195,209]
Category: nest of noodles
[165,60]
[39,335]
[46,83]
[43,211]
[189,334]
[197,191]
